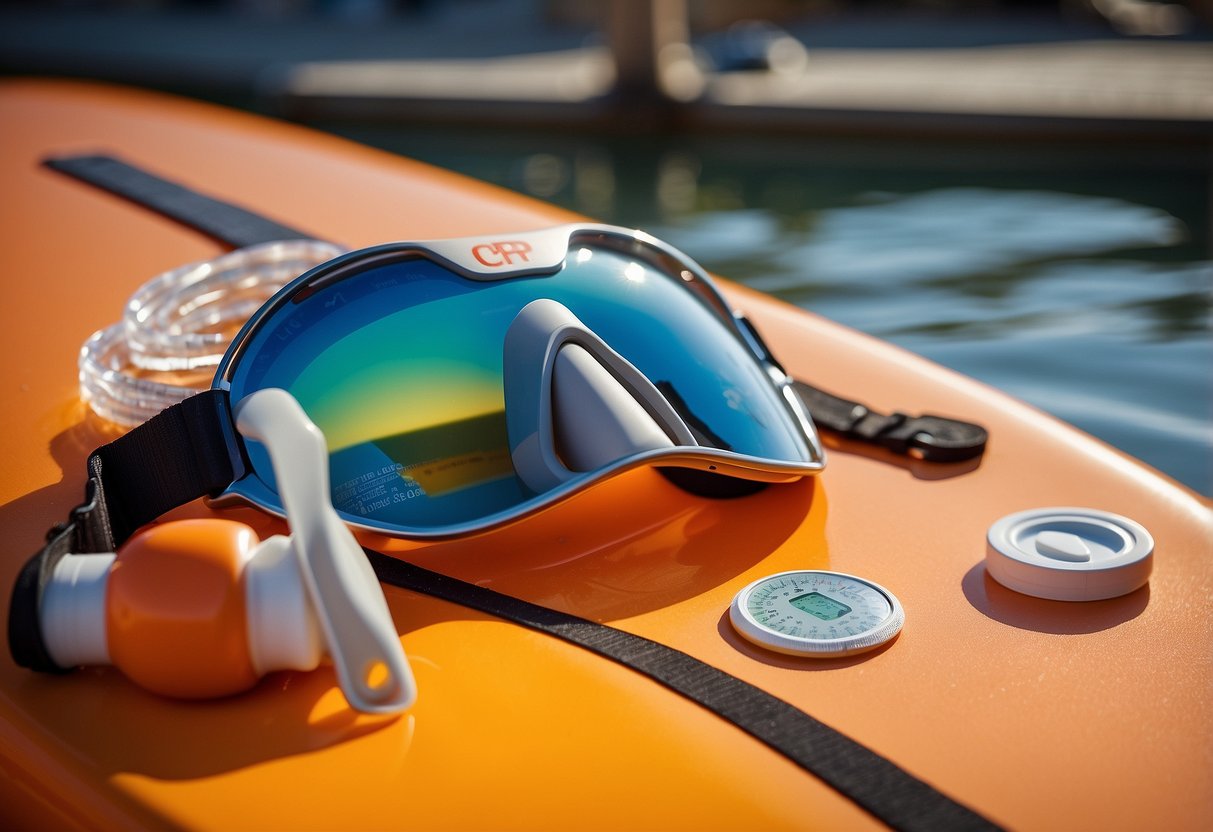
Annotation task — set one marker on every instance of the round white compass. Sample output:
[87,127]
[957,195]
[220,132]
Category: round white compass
[816,613]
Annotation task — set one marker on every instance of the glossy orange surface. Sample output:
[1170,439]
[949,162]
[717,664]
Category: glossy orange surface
[1042,715]
[176,621]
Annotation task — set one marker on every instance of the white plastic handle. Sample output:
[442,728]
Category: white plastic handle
[371,666]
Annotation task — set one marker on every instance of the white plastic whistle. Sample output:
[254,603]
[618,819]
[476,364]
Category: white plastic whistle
[202,608]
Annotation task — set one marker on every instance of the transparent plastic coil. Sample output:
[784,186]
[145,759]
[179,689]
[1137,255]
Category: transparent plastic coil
[178,325]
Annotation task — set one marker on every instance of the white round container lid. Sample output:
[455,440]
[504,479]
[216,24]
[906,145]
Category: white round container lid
[1069,554]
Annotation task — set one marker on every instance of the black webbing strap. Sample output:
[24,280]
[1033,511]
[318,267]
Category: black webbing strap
[933,438]
[180,454]
[869,780]
[221,220]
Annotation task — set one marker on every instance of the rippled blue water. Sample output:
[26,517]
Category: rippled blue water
[1076,276]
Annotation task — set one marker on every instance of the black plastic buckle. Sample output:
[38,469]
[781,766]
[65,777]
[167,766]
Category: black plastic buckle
[928,437]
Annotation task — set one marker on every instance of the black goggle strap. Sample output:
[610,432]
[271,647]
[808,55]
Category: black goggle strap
[185,452]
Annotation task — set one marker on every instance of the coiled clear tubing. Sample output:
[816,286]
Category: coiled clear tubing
[177,326]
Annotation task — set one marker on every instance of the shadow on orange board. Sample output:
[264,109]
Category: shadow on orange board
[920,469]
[728,633]
[628,546]
[110,721]
[632,545]
[1015,609]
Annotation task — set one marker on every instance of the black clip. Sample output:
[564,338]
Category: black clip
[928,437]
[933,438]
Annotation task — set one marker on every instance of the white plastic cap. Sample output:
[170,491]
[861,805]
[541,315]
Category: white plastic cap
[72,614]
[1069,554]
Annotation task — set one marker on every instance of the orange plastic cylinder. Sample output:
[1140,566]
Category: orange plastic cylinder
[175,609]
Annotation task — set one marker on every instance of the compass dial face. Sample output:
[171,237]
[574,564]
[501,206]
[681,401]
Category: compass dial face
[815,613]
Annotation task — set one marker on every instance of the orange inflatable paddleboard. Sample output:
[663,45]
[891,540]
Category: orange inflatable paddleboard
[1036,714]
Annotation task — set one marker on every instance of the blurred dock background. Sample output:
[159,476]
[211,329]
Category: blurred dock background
[1087,65]
[1020,190]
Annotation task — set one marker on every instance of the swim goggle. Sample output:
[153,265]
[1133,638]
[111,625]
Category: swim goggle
[462,384]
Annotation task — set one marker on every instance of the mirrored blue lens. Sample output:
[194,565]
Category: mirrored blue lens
[400,365]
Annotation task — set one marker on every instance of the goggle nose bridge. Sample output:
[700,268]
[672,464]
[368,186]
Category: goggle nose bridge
[573,404]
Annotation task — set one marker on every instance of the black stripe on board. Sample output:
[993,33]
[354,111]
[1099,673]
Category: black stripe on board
[869,780]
